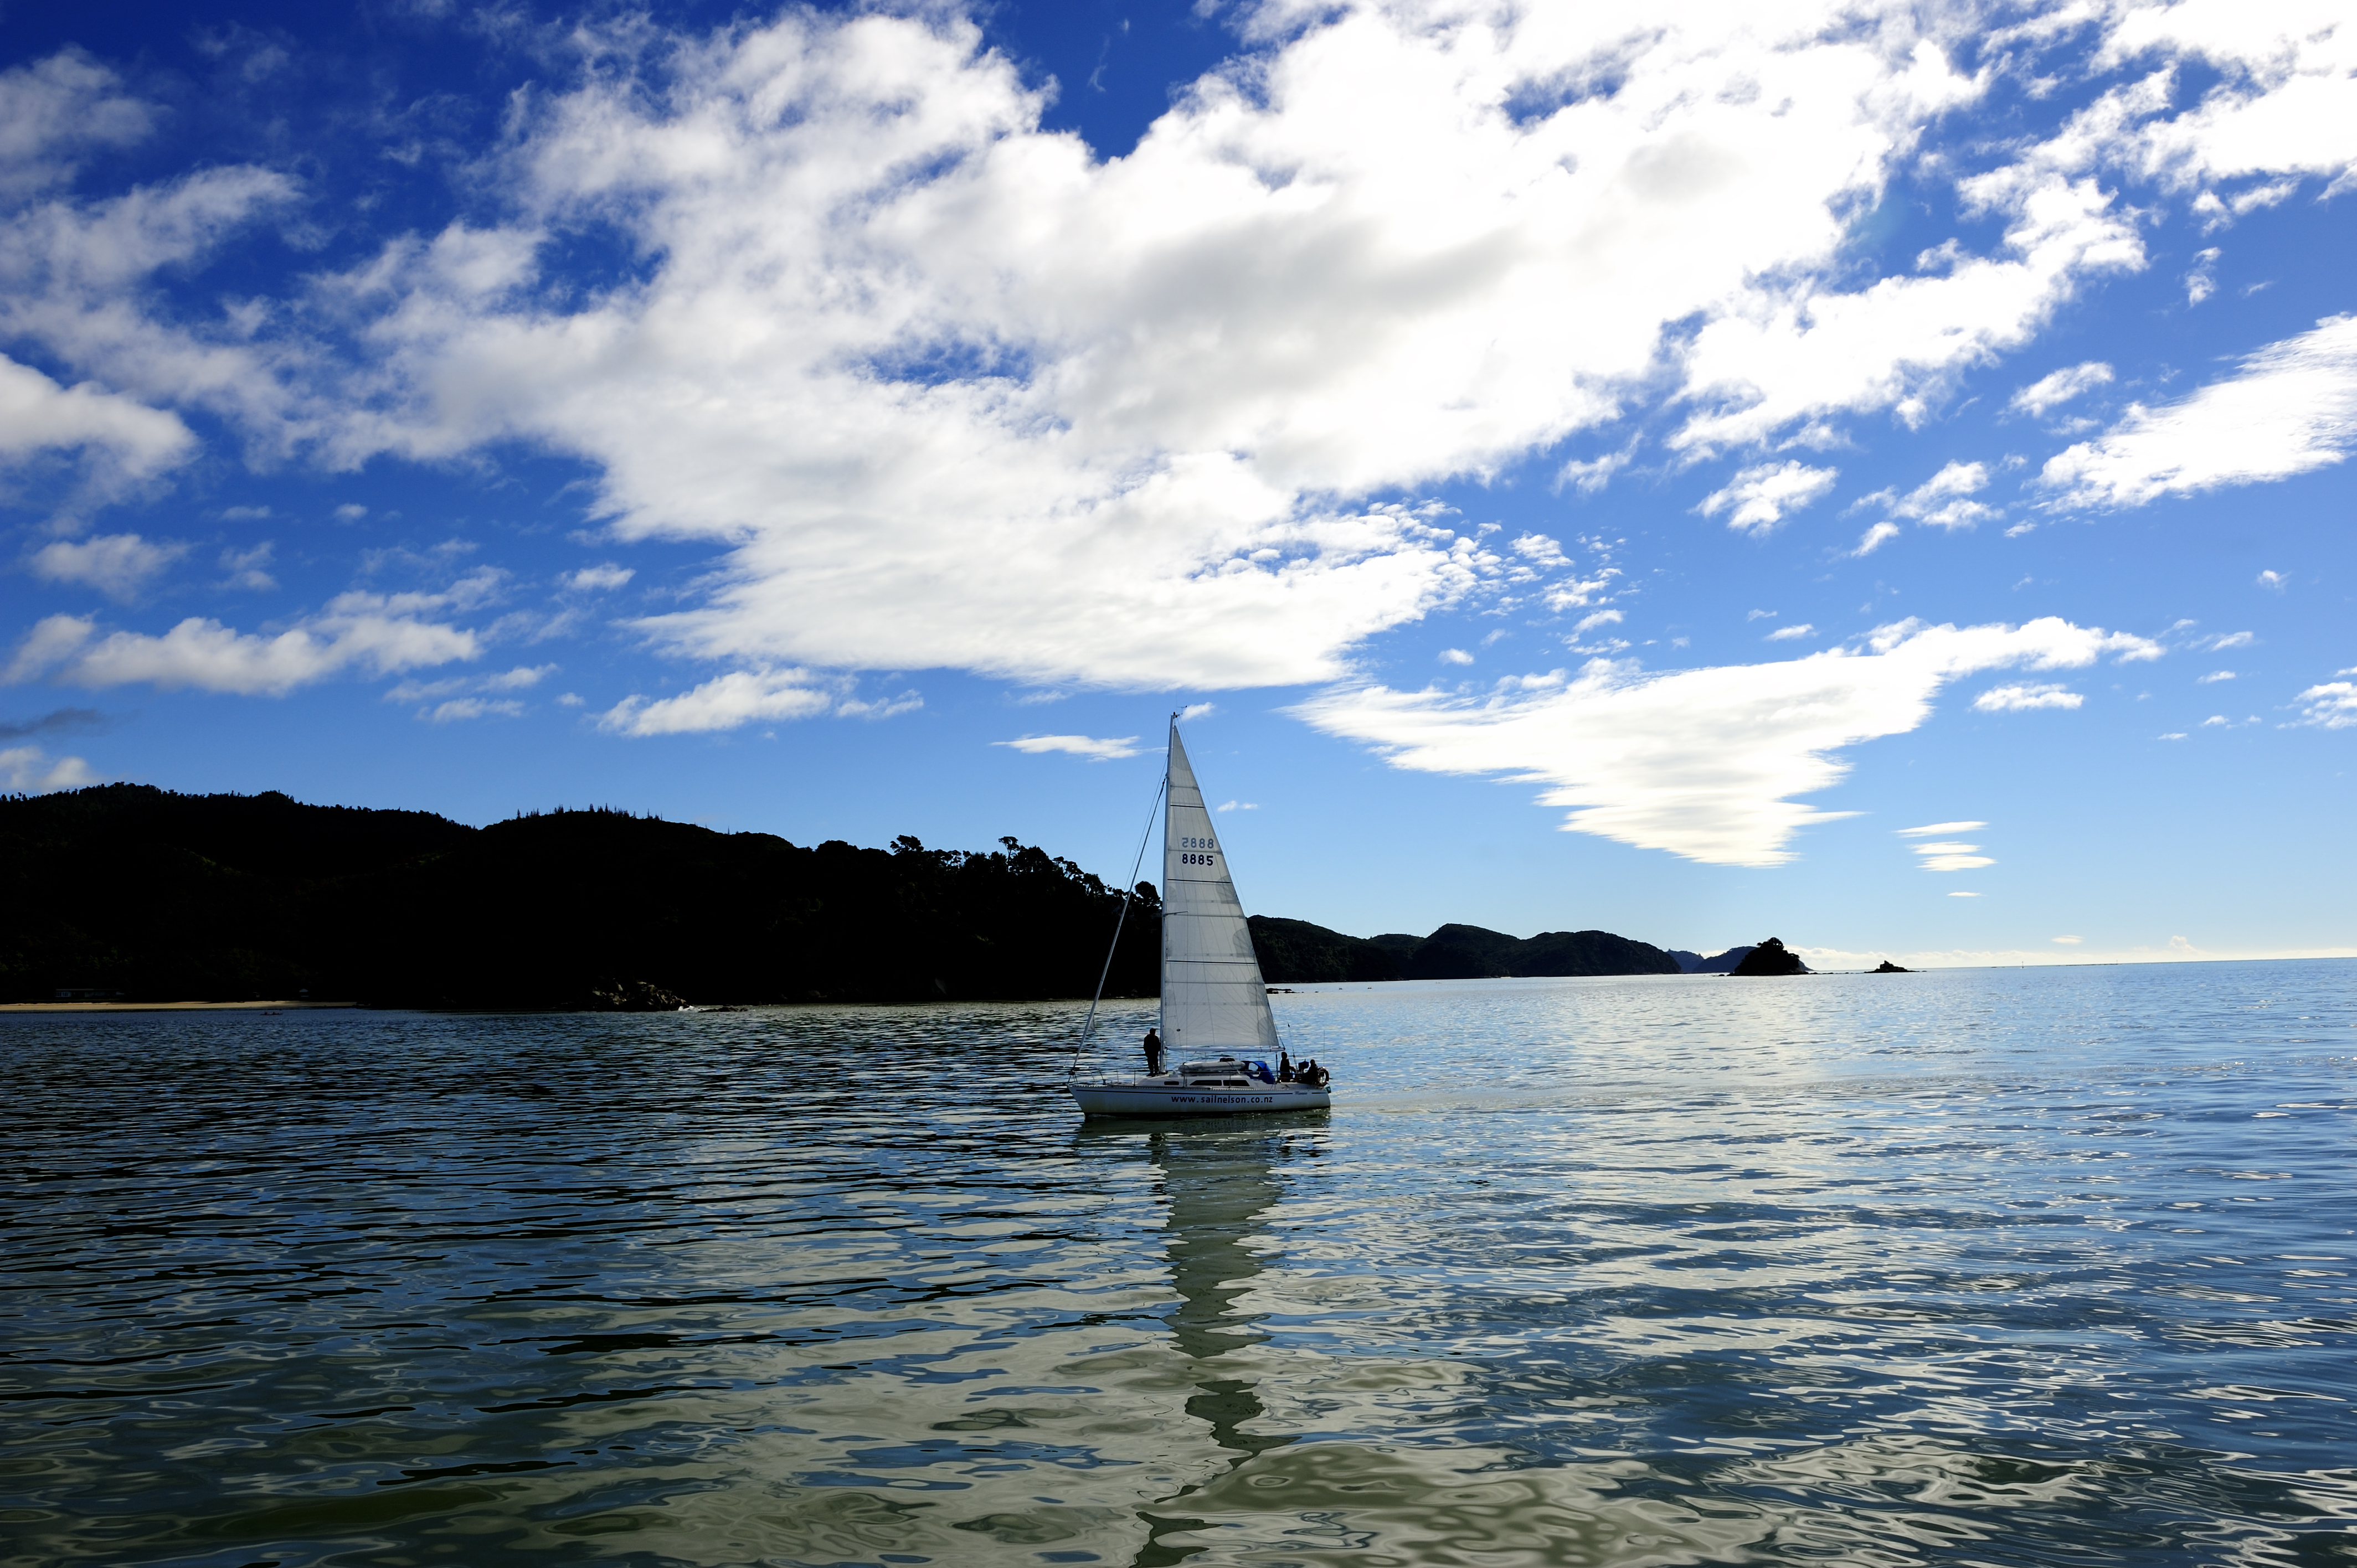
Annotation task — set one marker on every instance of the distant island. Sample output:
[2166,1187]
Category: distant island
[124,891]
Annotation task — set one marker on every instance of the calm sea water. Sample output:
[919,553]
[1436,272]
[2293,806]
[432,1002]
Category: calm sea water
[1983,1267]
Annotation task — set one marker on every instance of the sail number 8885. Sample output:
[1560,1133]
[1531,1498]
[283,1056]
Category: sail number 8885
[1187,855]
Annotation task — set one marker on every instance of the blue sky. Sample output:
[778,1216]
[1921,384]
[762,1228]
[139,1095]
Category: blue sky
[1872,474]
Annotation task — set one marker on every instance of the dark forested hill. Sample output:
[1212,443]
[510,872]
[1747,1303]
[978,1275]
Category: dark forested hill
[1295,951]
[1469,953]
[132,889]
[158,896]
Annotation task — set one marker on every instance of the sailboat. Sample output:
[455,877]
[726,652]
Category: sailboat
[1215,1023]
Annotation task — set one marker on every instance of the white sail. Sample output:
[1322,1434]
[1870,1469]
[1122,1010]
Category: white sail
[1213,1000]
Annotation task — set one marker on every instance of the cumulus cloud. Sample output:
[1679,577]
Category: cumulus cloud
[1875,538]
[2291,407]
[1095,750]
[725,702]
[1943,500]
[2332,705]
[948,389]
[605,574]
[1760,497]
[55,112]
[1931,828]
[37,415]
[357,632]
[2025,698]
[1791,633]
[1702,763]
[248,568]
[2060,387]
[120,566]
[29,771]
[1454,656]
[2201,279]
[954,392]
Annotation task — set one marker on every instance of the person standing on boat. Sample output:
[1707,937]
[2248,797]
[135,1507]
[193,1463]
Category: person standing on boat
[1284,1065]
[1152,1054]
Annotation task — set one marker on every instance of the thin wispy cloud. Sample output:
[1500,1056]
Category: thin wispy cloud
[1089,746]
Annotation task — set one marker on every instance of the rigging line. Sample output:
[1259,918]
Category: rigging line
[1128,894]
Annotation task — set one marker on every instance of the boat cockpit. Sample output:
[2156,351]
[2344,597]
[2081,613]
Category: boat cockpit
[1228,1072]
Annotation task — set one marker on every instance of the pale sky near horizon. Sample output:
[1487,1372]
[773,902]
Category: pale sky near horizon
[1873,475]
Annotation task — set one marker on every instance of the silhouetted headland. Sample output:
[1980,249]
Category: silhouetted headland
[1770,957]
[124,892]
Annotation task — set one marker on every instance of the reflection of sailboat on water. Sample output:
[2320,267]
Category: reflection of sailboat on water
[1215,1012]
[1218,1188]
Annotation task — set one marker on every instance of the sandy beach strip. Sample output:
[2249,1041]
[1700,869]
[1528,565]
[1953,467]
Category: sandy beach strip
[165,1006]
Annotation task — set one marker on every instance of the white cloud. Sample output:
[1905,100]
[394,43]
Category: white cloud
[120,566]
[1760,614]
[1933,829]
[725,702]
[1076,745]
[1454,656]
[1194,710]
[1239,806]
[1589,623]
[362,631]
[1942,500]
[2291,407]
[607,574]
[350,511]
[247,568]
[2202,281]
[1875,538]
[2332,705]
[37,415]
[1760,496]
[1963,895]
[459,708]
[884,708]
[2066,942]
[54,112]
[2060,387]
[2273,581]
[1950,855]
[2173,734]
[954,392]
[2023,698]
[1592,475]
[949,390]
[2231,639]
[1791,633]
[1702,763]
[2214,676]
[29,771]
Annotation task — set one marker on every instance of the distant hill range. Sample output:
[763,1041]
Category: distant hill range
[1295,951]
[1695,963]
[129,891]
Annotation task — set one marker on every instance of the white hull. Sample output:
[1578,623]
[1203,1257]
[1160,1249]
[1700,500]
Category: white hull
[1154,1097]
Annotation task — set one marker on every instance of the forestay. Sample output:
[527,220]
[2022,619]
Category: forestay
[1213,1000]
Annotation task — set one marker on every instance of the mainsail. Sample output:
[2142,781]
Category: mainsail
[1213,999]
